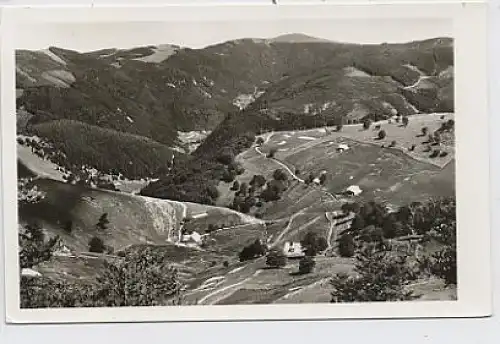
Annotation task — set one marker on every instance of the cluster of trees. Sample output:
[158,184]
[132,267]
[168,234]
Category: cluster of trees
[259,190]
[27,192]
[381,274]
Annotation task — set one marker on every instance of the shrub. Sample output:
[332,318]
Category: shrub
[405,121]
[259,141]
[96,245]
[309,179]
[393,144]
[322,179]
[225,264]
[443,154]
[306,265]
[366,124]
[425,131]
[379,277]
[381,134]
[276,259]
[346,245]
[271,153]
[228,176]
[412,148]
[339,127]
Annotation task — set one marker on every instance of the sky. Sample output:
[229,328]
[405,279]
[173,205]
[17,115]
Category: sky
[89,37]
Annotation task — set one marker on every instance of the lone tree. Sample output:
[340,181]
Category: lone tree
[366,124]
[339,127]
[346,245]
[96,245]
[313,243]
[68,226]
[276,259]
[306,265]
[103,222]
[382,134]
[236,186]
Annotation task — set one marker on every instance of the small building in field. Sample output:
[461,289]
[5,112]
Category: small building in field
[192,239]
[293,250]
[353,190]
[342,147]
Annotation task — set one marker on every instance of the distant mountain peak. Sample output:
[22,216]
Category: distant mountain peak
[297,38]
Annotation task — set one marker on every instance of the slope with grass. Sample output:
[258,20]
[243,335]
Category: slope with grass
[132,219]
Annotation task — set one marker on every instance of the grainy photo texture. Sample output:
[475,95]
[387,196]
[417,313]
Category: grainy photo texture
[276,166]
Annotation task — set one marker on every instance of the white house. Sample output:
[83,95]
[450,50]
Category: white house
[353,190]
[293,250]
[193,239]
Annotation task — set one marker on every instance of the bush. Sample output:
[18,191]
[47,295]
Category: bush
[379,277]
[225,264]
[96,245]
[443,154]
[252,251]
[339,127]
[322,179]
[280,174]
[382,134]
[306,265]
[259,141]
[393,144]
[425,131]
[276,259]
[346,245]
[412,148]
[313,243]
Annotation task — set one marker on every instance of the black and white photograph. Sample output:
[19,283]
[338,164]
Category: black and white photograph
[239,162]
